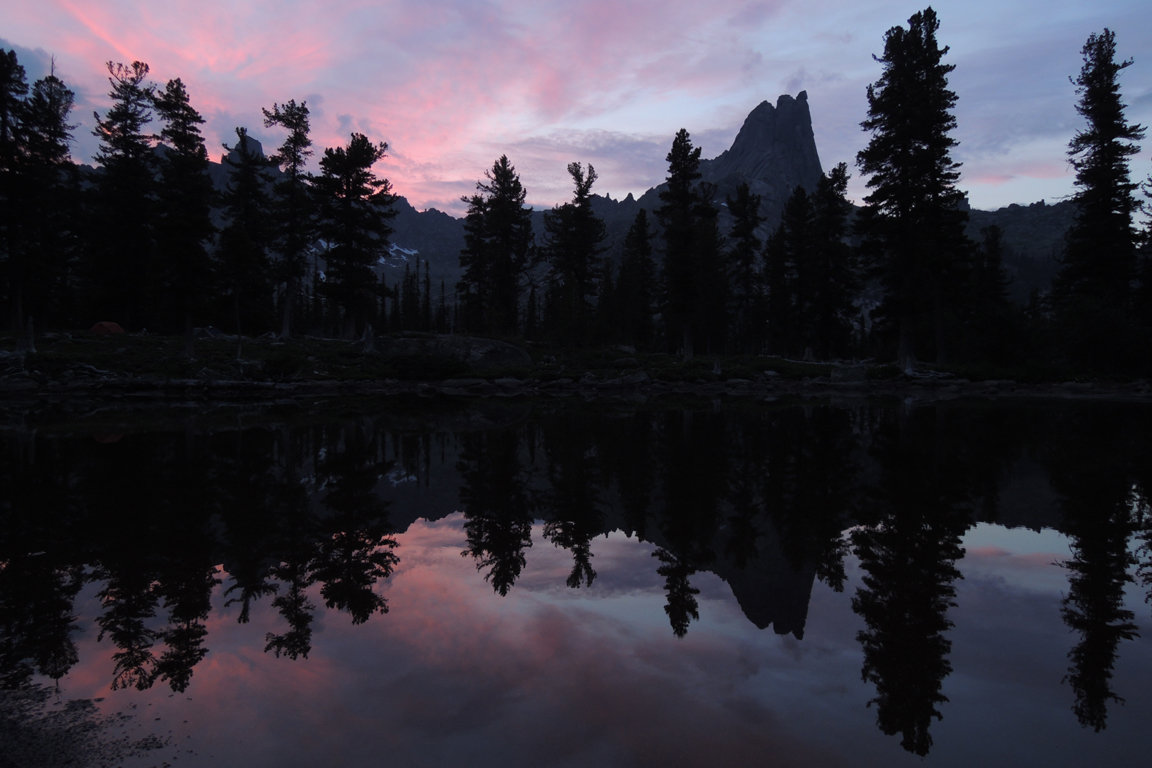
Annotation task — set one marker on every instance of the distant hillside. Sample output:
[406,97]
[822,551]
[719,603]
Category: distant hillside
[1034,239]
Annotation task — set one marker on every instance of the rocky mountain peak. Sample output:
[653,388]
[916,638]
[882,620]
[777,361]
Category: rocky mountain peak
[775,151]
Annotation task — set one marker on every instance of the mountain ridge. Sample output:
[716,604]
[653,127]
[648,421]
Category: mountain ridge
[774,152]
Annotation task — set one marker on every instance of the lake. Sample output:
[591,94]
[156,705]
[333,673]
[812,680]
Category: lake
[428,583]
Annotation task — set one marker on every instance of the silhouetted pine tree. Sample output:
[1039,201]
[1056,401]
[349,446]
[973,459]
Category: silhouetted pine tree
[121,234]
[39,194]
[243,246]
[835,274]
[694,276]
[746,288]
[573,245]
[355,207]
[497,249]
[184,226]
[13,88]
[293,210]
[426,299]
[1092,296]
[913,213]
[993,325]
[788,275]
[636,289]
[410,300]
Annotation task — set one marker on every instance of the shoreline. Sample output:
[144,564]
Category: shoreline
[154,370]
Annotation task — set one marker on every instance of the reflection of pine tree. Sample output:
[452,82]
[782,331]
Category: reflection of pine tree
[681,607]
[1097,506]
[497,509]
[186,572]
[908,557]
[695,482]
[36,621]
[1143,524]
[249,512]
[297,610]
[1094,608]
[188,597]
[354,550]
[574,504]
[129,601]
[810,484]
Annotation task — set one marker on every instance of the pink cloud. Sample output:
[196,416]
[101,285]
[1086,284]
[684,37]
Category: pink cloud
[451,85]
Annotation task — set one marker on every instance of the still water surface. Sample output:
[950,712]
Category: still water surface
[538,585]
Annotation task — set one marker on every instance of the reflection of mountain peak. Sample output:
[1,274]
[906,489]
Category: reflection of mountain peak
[769,590]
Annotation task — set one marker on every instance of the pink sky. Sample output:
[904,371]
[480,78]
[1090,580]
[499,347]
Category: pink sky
[452,85]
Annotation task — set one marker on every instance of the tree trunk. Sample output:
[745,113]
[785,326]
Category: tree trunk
[286,309]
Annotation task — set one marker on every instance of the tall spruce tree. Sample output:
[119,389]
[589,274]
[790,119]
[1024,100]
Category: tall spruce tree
[835,274]
[184,227]
[636,289]
[913,214]
[573,245]
[293,209]
[993,324]
[39,204]
[1144,290]
[122,264]
[745,279]
[1092,295]
[13,88]
[497,250]
[694,276]
[788,257]
[355,207]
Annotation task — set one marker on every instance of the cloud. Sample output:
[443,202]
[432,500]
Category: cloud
[451,85]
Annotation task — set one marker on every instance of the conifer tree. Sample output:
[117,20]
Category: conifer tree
[788,275]
[1092,295]
[184,227]
[636,287]
[243,247]
[746,287]
[835,274]
[122,263]
[442,309]
[497,250]
[294,212]
[693,270]
[410,299]
[574,238]
[991,322]
[13,88]
[1144,288]
[355,207]
[426,299]
[39,201]
[913,214]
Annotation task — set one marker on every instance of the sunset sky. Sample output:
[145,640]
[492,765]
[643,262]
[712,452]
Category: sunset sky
[451,85]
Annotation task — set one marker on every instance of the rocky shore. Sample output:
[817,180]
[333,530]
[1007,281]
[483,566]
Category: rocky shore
[460,367]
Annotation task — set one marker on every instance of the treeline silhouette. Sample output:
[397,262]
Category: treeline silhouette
[147,241]
[300,513]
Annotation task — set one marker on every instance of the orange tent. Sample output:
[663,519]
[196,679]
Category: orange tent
[106,328]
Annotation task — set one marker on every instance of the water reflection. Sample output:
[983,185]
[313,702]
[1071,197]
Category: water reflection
[772,500]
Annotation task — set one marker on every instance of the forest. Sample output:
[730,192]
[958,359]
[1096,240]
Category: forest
[149,242]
